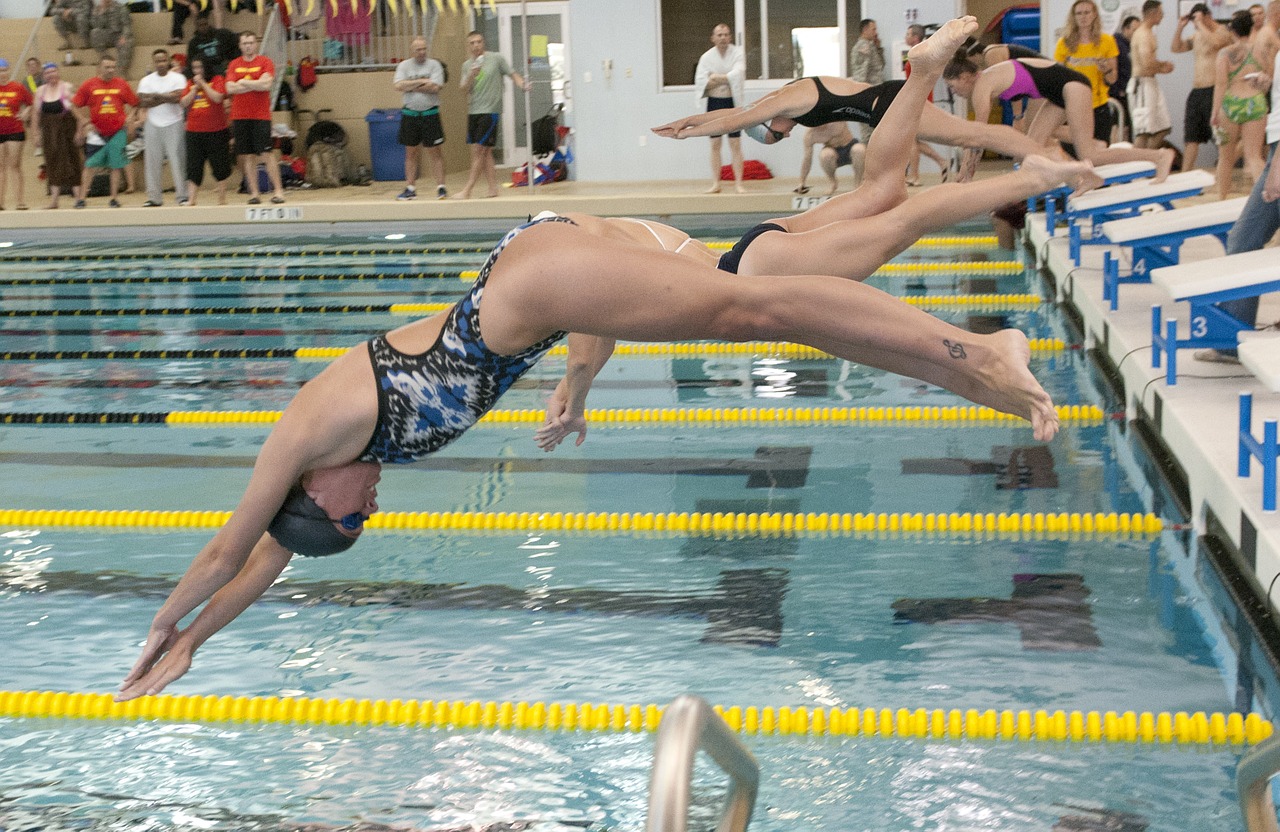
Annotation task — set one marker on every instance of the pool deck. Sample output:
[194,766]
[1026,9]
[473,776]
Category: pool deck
[1198,418]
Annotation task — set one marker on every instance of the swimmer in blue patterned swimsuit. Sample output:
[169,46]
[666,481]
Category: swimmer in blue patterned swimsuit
[423,384]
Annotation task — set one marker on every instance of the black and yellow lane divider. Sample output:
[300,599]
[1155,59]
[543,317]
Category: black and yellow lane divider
[691,349]
[225,277]
[933,241]
[678,524]
[370,274]
[1110,727]
[955,416]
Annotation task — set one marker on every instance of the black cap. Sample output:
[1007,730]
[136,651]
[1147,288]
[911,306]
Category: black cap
[301,526]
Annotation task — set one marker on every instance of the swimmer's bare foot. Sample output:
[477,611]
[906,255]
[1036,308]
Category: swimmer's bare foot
[933,53]
[1010,387]
[1164,165]
[714,189]
[462,195]
[737,187]
[1052,172]
[491,195]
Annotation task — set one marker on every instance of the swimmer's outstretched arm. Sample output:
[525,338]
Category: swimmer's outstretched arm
[567,406]
[322,427]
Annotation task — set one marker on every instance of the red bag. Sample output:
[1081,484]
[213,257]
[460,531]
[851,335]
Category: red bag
[307,73]
[520,175]
[751,169]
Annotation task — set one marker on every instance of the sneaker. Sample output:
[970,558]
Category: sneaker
[407,194]
[442,192]
[80,203]
[115,203]
[1215,357]
[150,204]
[184,201]
[253,200]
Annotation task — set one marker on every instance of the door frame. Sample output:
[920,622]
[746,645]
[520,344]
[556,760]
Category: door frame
[508,23]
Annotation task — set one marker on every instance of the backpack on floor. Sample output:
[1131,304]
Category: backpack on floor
[327,165]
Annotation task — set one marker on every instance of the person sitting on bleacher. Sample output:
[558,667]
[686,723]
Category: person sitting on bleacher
[110,25]
[1258,223]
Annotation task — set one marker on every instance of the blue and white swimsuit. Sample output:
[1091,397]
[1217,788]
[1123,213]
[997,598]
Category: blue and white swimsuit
[426,401]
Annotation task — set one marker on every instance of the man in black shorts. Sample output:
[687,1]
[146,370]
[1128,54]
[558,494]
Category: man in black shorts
[482,76]
[419,79]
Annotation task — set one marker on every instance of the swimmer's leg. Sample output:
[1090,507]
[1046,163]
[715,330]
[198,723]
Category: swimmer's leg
[600,287]
[892,143]
[856,248]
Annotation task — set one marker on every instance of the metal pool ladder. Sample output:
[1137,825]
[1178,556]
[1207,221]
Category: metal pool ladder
[1253,783]
[690,723]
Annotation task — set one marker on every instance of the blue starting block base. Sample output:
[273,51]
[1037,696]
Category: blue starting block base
[1095,217]
[1152,253]
[1124,172]
[1265,451]
[1211,328]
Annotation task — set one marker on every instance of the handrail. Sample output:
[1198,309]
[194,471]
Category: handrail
[1253,782]
[688,724]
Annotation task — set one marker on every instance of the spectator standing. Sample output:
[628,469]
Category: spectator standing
[838,148]
[111,26]
[35,75]
[1266,41]
[214,45]
[71,17]
[249,79]
[1240,103]
[15,103]
[207,137]
[1259,220]
[107,97]
[54,127]
[163,134]
[1085,48]
[482,76]
[419,80]
[719,78]
[866,61]
[1151,121]
[1207,37]
[1124,69]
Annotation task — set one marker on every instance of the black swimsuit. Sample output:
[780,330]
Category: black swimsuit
[866,107]
[730,260]
[1051,80]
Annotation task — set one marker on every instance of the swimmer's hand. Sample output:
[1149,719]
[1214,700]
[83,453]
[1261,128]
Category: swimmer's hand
[671,130]
[163,659]
[559,425]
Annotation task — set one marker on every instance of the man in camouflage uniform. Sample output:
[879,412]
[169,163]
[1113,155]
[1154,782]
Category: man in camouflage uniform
[111,26]
[71,17]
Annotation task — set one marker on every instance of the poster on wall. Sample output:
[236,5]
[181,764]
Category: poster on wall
[1114,11]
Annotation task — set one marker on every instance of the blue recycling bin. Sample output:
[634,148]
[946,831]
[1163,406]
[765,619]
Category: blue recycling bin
[384,145]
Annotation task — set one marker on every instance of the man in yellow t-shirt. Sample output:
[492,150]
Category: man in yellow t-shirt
[1094,57]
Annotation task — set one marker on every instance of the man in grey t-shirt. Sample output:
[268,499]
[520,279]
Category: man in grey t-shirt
[482,76]
[420,79]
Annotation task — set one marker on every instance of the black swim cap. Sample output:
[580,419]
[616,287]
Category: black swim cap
[302,526]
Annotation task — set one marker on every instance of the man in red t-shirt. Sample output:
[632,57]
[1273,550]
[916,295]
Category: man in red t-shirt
[208,139]
[249,80]
[15,102]
[107,98]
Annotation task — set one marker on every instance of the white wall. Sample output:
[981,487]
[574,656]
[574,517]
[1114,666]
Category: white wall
[21,8]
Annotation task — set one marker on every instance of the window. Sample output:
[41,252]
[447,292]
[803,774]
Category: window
[783,39]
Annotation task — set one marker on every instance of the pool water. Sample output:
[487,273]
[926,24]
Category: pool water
[1095,622]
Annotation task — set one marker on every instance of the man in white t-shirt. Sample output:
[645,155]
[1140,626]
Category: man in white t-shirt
[164,133]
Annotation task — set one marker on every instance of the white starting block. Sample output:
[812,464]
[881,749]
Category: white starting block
[1261,354]
[1203,284]
[1114,174]
[1128,200]
[1156,238]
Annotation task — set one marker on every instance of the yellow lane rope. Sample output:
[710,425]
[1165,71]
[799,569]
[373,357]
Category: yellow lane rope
[782,349]
[950,416]
[728,524]
[1129,727]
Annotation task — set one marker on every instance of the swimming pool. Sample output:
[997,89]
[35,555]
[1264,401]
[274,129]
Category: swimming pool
[1088,622]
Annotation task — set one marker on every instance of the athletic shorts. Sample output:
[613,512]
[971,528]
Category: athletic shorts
[421,130]
[252,135]
[714,104]
[110,155]
[12,137]
[1103,121]
[1196,125]
[212,148]
[844,154]
[482,129]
